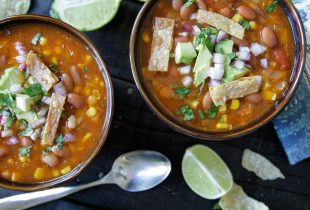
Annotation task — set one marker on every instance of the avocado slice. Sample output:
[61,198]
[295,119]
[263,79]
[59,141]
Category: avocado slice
[11,77]
[185,53]
[232,73]
[225,46]
[29,116]
[202,64]
[24,102]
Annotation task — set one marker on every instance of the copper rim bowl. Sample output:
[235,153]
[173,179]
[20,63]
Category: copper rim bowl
[164,115]
[109,109]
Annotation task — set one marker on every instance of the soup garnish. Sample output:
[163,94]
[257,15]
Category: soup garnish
[216,65]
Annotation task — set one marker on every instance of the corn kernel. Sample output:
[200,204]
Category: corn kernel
[10,161]
[43,41]
[220,125]
[194,104]
[91,112]
[253,25]
[224,118]
[266,85]
[235,104]
[146,37]
[65,170]
[237,18]
[5,174]
[54,60]
[46,53]
[39,174]
[23,159]
[88,59]
[86,137]
[223,109]
[269,95]
[56,173]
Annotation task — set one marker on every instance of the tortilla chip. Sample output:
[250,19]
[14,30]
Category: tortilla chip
[235,89]
[13,7]
[220,22]
[161,44]
[237,199]
[261,166]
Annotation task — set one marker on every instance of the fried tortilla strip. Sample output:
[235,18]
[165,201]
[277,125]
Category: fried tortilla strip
[161,44]
[54,113]
[235,89]
[40,71]
[220,22]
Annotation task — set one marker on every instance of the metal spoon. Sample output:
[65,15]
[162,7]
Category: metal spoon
[133,172]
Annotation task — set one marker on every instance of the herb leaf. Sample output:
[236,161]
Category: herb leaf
[201,114]
[26,132]
[34,90]
[189,3]
[245,23]
[187,112]
[36,38]
[25,151]
[182,92]
[6,98]
[59,141]
[272,6]
[211,113]
[53,68]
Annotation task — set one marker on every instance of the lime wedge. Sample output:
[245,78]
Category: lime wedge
[206,173]
[86,15]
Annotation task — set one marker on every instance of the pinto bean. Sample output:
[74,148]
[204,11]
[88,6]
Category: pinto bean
[240,42]
[75,100]
[3,151]
[207,101]
[177,4]
[269,37]
[255,98]
[254,62]
[201,4]
[186,12]
[60,152]
[26,141]
[247,12]
[51,160]
[67,81]
[75,76]
[227,12]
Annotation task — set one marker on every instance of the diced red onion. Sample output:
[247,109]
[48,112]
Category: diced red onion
[69,137]
[221,36]
[257,48]
[3,119]
[46,100]
[22,66]
[20,59]
[7,133]
[264,63]
[244,55]
[34,136]
[213,38]
[60,89]
[259,80]
[20,48]
[187,81]
[218,58]
[38,123]
[214,82]
[184,34]
[196,29]
[42,112]
[185,70]
[244,49]
[15,88]
[12,141]
[188,27]
[216,73]
[239,64]
[193,16]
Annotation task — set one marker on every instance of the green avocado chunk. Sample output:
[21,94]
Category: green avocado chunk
[225,46]
[24,102]
[11,77]
[232,73]
[202,65]
[185,53]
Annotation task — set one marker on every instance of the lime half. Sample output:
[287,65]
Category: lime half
[86,15]
[206,173]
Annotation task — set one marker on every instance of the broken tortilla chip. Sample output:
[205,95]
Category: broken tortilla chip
[261,166]
[237,199]
[220,22]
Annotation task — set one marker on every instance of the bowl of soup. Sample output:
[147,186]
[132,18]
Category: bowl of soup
[56,102]
[217,70]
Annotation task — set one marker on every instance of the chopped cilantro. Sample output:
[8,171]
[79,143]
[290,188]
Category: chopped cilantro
[187,112]
[189,3]
[212,112]
[36,38]
[271,7]
[59,141]
[25,151]
[34,90]
[201,114]
[182,92]
[245,23]
[6,98]
[204,39]
[53,68]
[8,123]
[64,115]
[26,132]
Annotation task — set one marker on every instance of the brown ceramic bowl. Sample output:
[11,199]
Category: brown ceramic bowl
[109,110]
[173,122]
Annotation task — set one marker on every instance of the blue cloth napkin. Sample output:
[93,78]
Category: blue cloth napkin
[292,125]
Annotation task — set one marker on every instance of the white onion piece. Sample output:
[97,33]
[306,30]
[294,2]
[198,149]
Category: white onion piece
[244,55]
[7,133]
[34,136]
[20,59]
[69,137]
[184,34]
[46,100]
[257,48]
[218,58]
[42,112]
[12,141]
[196,29]
[38,122]
[187,81]
[259,80]
[221,36]
[213,38]
[185,70]
[244,49]
[219,66]
[15,88]
[264,63]
[239,64]
[216,73]
[193,16]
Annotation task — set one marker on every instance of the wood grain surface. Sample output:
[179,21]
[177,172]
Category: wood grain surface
[135,127]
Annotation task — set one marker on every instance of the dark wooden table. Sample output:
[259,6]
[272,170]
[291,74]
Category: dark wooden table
[135,127]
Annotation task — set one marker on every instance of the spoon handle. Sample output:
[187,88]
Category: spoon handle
[27,200]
